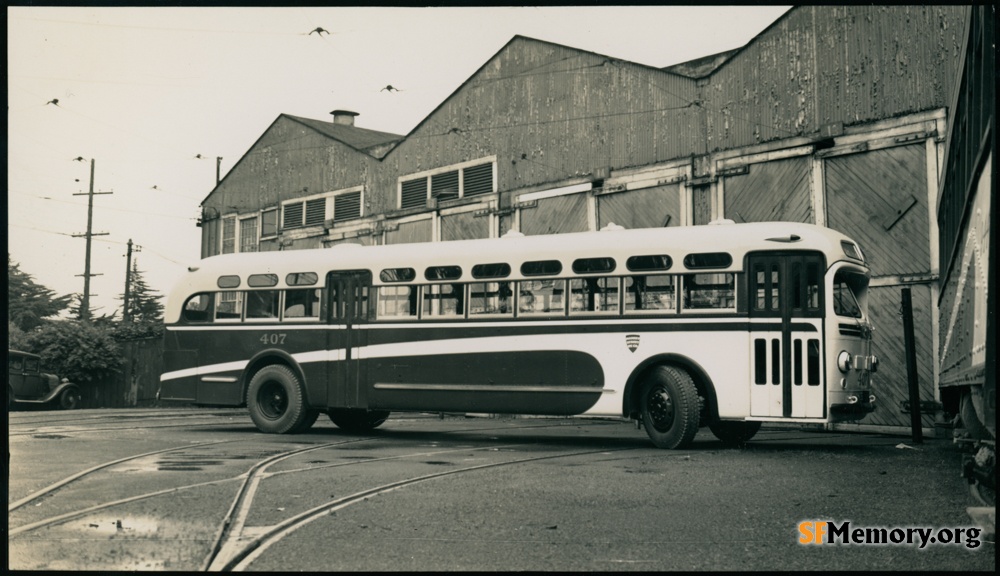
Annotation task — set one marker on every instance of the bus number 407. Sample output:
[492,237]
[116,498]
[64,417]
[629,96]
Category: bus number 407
[273,339]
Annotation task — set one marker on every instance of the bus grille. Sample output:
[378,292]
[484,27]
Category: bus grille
[848,330]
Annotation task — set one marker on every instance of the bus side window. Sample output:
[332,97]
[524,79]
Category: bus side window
[541,297]
[397,301]
[709,291]
[656,292]
[593,295]
[198,308]
[443,300]
[262,304]
[228,305]
[302,303]
[490,298]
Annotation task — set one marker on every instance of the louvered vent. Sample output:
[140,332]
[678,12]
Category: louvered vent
[414,193]
[292,217]
[347,206]
[445,185]
[478,179]
[315,211]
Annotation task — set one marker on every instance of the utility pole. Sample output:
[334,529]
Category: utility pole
[85,304]
[218,169]
[126,315]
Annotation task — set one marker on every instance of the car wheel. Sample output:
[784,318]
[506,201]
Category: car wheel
[70,399]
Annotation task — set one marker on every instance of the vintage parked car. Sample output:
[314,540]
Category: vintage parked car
[27,384]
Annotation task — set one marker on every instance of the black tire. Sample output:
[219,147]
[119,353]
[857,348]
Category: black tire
[276,401]
[307,423]
[69,399]
[358,420]
[670,407]
[734,433]
[970,419]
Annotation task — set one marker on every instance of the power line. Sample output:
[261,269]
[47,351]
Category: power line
[159,214]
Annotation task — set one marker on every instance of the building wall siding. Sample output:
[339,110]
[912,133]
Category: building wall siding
[823,65]
[551,113]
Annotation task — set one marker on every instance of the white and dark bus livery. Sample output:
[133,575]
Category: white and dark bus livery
[726,326]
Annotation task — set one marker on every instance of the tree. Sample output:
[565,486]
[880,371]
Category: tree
[76,306]
[16,338]
[76,350]
[144,304]
[142,314]
[29,303]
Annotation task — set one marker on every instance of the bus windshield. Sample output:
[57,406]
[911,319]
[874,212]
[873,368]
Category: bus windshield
[849,289]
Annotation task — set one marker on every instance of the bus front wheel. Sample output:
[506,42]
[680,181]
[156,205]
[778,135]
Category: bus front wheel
[358,420]
[275,400]
[670,407]
[734,433]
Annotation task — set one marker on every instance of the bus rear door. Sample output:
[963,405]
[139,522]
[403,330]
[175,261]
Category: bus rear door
[786,327]
[349,308]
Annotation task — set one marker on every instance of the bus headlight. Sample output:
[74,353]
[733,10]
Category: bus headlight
[844,361]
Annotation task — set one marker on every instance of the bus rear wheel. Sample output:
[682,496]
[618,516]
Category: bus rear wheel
[307,422]
[734,433]
[358,420]
[669,407]
[275,400]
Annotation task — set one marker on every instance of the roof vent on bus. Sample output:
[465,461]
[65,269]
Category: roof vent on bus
[512,234]
[612,226]
[192,268]
[722,221]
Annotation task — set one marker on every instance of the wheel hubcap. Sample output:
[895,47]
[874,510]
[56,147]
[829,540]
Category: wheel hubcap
[661,409]
[273,400]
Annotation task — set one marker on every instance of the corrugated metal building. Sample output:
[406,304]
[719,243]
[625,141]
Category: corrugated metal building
[833,115]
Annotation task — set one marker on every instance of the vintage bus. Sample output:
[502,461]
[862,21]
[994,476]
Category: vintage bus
[726,326]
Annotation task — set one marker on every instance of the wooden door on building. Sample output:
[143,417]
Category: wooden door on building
[770,192]
[465,225]
[879,198]
[409,232]
[555,215]
[656,207]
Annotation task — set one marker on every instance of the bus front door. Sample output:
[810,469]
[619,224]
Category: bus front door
[349,309]
[786,327]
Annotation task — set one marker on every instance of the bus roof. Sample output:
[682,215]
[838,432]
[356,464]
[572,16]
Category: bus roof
[677,242]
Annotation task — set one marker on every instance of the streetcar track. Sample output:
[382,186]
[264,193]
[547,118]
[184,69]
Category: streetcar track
[84,473]
[97,507]
[91,470]
[123,419]
[239,560]
[77,430]
[256,474]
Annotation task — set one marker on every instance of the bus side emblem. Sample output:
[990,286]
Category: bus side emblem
[632,341]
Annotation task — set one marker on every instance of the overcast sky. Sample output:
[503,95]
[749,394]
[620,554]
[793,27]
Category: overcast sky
[145,91]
